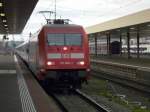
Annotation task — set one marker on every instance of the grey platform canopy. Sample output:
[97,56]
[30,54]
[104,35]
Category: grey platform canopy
[122,22]
[14,15]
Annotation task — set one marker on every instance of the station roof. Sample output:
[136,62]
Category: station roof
[14,15]
[129,20]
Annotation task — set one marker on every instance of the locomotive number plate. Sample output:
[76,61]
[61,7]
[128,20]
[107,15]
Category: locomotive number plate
[66,63]
[65,55]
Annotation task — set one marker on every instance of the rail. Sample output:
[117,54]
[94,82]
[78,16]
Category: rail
[68,102]
[92,102]
[62,107]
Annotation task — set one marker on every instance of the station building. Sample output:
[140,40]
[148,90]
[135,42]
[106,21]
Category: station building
[127,36]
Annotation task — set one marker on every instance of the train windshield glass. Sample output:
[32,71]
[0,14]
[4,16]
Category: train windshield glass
[64,39]
[56,39]
[73,39]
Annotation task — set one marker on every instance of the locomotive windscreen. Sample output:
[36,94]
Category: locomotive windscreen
[64,39]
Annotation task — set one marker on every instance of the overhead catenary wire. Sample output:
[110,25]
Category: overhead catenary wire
[94,12]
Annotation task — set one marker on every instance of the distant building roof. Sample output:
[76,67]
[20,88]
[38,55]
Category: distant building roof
[132,19]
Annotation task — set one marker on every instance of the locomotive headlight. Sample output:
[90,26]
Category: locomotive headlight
[81,63]
[50,63]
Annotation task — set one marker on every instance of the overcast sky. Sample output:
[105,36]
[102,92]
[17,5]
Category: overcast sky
[83,12]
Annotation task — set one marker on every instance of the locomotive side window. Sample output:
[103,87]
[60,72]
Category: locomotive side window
[64,39]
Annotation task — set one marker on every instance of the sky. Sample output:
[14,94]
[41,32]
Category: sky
[82,12]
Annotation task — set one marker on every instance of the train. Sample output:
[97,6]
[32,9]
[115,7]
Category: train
[58,55]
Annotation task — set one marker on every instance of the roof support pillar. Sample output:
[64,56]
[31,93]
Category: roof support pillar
[108,44]
[128,44]
[120,36]
[95,44]
[138,43]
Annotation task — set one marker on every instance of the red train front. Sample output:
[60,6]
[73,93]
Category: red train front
[61,55]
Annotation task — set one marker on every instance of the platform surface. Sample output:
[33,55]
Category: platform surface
[121,60]
[9,91]
[19,91]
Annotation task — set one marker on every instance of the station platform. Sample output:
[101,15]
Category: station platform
[132,72]
[19,91]
[140,62]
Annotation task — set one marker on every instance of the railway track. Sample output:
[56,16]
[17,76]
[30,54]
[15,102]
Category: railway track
[99,107]
[77,102]
[126,93]
[127,75]
[124,82]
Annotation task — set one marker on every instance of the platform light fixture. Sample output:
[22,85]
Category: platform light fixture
[132,28]
[1,4]
[5,25]
[4,21]
[2,14]
[7,30]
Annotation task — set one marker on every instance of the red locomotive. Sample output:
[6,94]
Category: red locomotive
[59,54]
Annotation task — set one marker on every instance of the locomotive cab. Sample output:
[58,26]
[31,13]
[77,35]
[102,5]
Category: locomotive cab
[66,54]
[58,54]
[62,54]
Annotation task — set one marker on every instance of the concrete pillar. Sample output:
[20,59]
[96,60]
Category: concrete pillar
[128,44]
[138,43]
[120,36]
[108,44]
[95,35]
